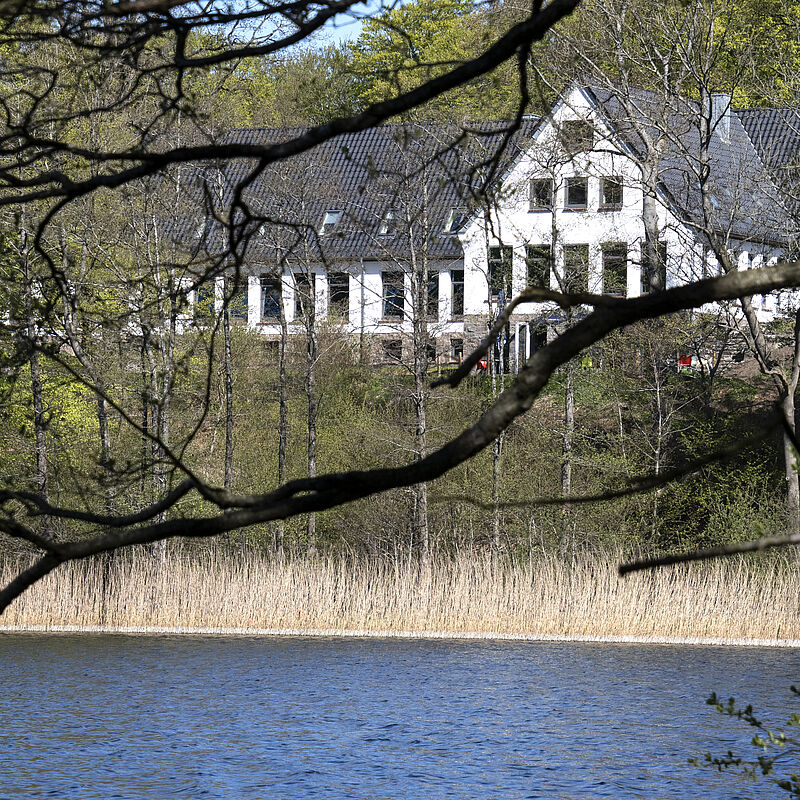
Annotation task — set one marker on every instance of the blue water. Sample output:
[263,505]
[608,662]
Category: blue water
[94,716]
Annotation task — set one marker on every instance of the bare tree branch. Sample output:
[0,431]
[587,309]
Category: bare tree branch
[327,491]
[754,546]
[641,483]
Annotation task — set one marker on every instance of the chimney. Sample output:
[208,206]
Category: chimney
[721,115]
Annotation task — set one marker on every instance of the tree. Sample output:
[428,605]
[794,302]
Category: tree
[157,47]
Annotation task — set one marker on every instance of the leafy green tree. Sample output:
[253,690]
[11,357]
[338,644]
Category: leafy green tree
[417,41]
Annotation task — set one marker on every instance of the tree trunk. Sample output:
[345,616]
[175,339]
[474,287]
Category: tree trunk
[311,391]
[421,489]
[419,279]
[226,329]
[497,371]
[42,476]
[790,470]
[652,269]
[105,450]
[283,423]
[497,456]
[42,473]
[566,450]
[420,342]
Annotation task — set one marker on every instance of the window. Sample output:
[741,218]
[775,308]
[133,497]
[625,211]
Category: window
[615,268]
[457,350]
[204,302]
[576,267]
[430,353]
[339,295]
[393,294]
[237,304]
[541,198]
[577,136]
[611,193]
[577,192]
[500,264]
[538,260]
[389,224]
[432,300]
[392,350]
[330,221]
[456,220]
[457,288]
[654,278]
[270,297]
[304,285]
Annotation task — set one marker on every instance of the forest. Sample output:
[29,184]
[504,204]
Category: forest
[129,417]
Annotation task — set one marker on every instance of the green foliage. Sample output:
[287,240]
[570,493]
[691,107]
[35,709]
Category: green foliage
[734,500]
[401,49]
[314,86]
[773,748]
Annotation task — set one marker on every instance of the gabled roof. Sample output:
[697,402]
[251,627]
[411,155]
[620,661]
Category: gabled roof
[747,203]
[427,170]
[415,171]
[775,133]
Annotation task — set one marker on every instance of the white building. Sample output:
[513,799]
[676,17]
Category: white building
[360,214]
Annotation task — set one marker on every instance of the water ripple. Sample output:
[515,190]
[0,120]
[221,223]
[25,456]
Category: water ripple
[135,718]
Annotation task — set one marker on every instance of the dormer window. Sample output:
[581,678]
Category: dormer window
[330,221]
[455,221]
[388,224]
[541,197]
[611,193]
[577,136]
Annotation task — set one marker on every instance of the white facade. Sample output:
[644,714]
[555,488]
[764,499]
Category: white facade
[596,224]
[595,210]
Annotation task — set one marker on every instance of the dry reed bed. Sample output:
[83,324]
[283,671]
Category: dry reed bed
[475,594]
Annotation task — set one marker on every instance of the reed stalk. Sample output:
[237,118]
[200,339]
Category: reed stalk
[464,594]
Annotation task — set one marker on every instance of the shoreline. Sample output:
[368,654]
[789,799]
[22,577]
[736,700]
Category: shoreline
[344,633]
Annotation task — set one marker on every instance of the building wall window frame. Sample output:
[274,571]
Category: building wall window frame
[457,293]
[500,269]
[330,220]
[538,263]
[615,268]
[541,194]
[611,193]
[238,306]
[271,298]
[576,193]
[393,294]
[455,222]
[392,350]
[432,295]
[456,350]
[576,268]
[204,303]
[304,293]
[388,224]
[339,296]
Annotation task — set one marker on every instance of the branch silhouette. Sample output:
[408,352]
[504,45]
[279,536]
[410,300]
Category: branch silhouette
[327,491]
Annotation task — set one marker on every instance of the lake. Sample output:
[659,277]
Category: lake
[114,716]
